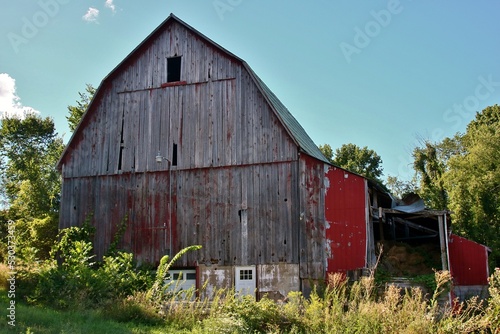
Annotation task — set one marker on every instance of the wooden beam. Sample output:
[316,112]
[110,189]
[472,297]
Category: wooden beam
[442,242]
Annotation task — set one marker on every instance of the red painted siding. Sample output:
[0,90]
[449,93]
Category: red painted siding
[345,213]
[468,261]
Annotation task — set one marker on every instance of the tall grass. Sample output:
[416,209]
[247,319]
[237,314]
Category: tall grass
[79,295]
[342,307]
[354,308]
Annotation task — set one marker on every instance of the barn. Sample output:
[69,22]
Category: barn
[183,144]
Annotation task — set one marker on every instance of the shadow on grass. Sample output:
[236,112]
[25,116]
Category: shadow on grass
[39,320]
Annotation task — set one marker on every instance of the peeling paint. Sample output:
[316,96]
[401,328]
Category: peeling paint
[277,280]
[215,277]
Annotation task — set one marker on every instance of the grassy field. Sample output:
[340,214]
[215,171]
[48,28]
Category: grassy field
[41,320]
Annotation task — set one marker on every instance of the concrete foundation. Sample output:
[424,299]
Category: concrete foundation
[273,280]
[277,280]
[464,292]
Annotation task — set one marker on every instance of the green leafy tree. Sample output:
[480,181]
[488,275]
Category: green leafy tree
[327,151]
[29,150]
[76,112]
[473,182]
[430,169]
[430,165]
[360,160]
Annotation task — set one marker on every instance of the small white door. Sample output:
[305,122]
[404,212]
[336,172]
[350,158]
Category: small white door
[245,280]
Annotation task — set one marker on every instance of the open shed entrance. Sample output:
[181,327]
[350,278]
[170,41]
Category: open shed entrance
[413,241]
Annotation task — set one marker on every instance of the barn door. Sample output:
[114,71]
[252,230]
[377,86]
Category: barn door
[245,280]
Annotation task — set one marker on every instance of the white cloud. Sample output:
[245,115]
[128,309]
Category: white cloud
[91,15]
[10,103]
[109,4]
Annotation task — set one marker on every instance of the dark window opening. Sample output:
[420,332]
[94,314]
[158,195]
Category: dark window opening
[173,69]
[187,276]
[120,157]
[174,155]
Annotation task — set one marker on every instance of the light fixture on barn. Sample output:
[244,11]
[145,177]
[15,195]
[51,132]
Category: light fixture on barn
[159,159]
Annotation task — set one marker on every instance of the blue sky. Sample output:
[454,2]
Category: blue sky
[382,74]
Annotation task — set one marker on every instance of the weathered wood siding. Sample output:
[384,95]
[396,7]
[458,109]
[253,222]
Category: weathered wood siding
[312,218]
[235,185]
[209,207]
[215,120]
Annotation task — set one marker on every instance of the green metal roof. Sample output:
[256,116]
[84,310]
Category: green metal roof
[294,128]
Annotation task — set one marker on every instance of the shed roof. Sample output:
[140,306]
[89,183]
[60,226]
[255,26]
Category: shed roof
[292,126]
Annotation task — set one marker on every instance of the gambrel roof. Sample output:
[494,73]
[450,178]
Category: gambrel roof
[292,126]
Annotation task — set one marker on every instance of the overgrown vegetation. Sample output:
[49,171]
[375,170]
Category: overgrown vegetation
[72,279]
[111,297]
[114,295]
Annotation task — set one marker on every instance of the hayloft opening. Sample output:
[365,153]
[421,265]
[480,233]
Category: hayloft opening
[173,69]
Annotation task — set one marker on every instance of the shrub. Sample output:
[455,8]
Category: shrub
[68,236]
[258,316]
[80,282]
[293,311]
[134,308]
[121,275]
[34,237]
[74,283]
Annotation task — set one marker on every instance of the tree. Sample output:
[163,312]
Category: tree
[359,160]
[429,169]
[473,182]
[430,165]
[327,151]
[76,112]
[29,150]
